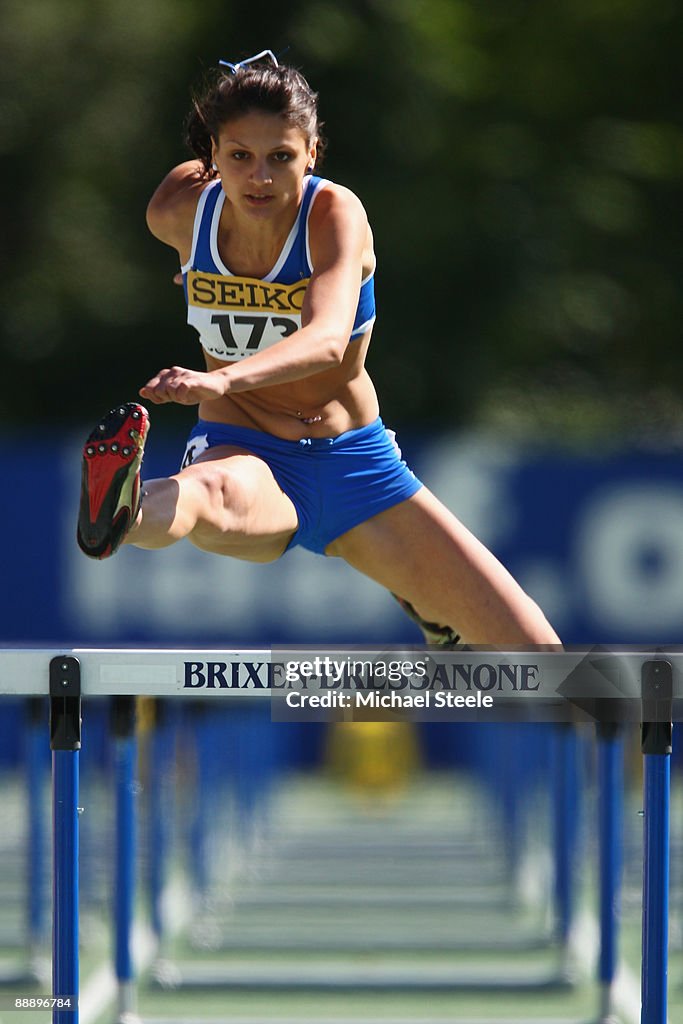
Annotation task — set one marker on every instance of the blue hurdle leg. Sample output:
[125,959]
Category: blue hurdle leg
[566,810]
[65,881]
[65,741]
[655,889]
[610,747]
[657,692]
[125,761]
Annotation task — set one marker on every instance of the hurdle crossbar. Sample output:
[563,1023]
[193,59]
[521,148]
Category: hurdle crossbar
[112,672]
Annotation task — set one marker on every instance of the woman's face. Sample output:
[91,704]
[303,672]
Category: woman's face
[262,162]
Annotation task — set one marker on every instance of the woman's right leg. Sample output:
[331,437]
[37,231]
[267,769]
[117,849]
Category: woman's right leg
[227,502]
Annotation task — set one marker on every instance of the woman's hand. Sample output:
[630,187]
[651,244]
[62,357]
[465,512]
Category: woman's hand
[186,387]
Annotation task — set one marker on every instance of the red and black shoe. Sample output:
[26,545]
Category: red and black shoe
[110,481]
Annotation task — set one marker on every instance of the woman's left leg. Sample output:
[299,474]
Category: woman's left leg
[420,551]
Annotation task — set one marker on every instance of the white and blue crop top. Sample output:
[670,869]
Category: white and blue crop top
[238,316]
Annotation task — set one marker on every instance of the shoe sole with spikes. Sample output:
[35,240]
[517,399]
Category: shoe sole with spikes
[110,479]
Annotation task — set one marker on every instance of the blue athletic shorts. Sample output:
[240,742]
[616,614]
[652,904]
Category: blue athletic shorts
[334,483]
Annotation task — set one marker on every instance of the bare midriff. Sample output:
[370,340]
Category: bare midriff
[323,405]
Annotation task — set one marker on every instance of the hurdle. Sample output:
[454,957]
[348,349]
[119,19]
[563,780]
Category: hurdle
[610,753]
[67,676]
[566,790]
[656,737]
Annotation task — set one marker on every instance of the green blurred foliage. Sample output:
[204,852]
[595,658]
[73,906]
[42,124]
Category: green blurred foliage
[520,161]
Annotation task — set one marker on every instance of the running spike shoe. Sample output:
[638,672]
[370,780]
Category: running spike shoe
[439,636]
[110,481]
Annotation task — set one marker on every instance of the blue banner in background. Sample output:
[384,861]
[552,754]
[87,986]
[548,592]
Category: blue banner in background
[598,541]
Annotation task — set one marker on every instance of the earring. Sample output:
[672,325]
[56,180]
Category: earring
[214,166]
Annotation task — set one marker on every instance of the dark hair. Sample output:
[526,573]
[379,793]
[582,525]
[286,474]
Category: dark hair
[263,87]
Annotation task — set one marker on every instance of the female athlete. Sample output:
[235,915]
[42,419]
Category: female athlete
[289,449]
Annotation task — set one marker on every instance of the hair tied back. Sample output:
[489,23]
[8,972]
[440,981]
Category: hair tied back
[234,68]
